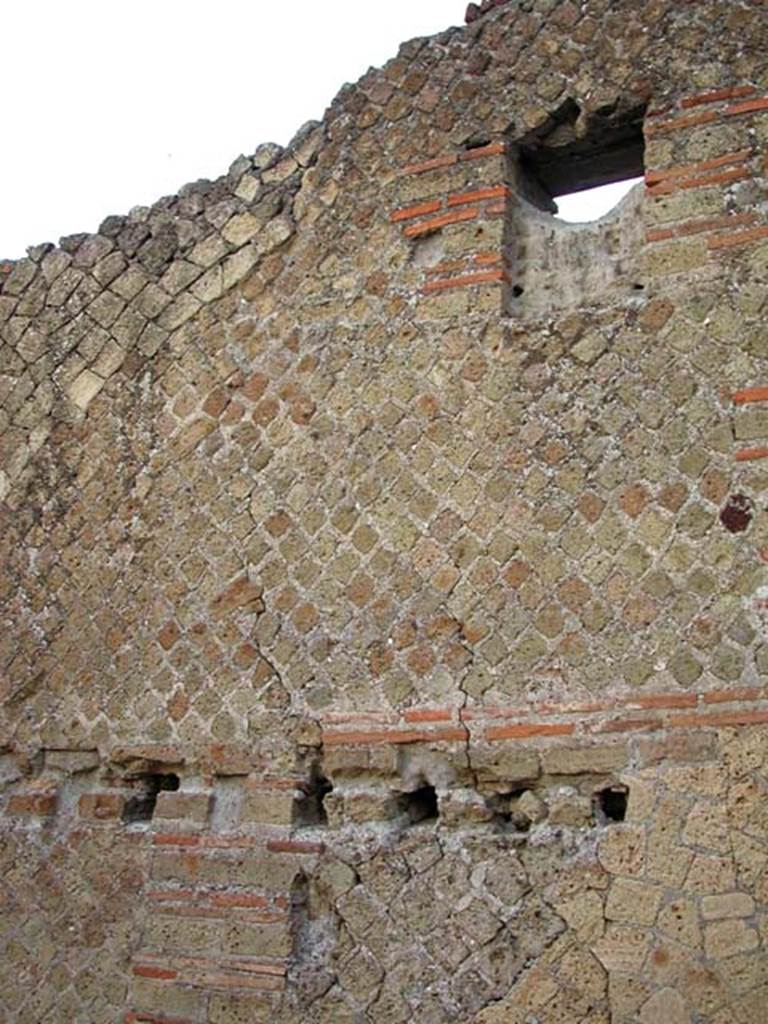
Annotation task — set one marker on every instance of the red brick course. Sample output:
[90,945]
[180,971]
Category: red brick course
[466,280]
[592,717]
[751,454]
[426,227]
[478,195]
[738,238]
[419,210]
[705,181]
[746,395]
[716,96]
[654,177]
[697,227]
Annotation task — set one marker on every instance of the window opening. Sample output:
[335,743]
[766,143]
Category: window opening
[557,160]
[560,257]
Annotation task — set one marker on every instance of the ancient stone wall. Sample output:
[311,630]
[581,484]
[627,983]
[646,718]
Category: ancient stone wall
[384,574]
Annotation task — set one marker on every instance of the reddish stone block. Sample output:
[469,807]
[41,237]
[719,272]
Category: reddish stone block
[101,806]
[427,715]
[241,593]
[664,700]
[158,973]
[168,635]
[255,386]
[265,412]
[32,805]
[634,499]
[302,409]
[216,403]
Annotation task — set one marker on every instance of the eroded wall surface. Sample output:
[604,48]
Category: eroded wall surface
[382,641]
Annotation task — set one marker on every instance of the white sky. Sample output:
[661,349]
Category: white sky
[111,104]
[594,202]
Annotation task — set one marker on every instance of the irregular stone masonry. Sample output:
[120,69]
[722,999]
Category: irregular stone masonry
[475,11]
[384,575]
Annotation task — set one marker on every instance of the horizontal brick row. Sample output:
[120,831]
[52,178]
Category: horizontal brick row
[215,898]
[751,454]
[700,226]
[728,230]
[449,159]
[372,737]
[247,964]
[701,117]
[457,214]
[466,281]
[703,181]
[648,713]
[642,701]
[738,238]
[669,179]
[456,209]
[478,195]
[215,974]
[465,264]
[427,227]
[747,395]
[221,842]
[716,241]
[197,909]
[458,199]
[172,982]
[416,210]
[717,95]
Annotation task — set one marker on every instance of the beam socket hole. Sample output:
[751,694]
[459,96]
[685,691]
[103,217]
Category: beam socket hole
[419,805]
[141,806]
[610,804]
